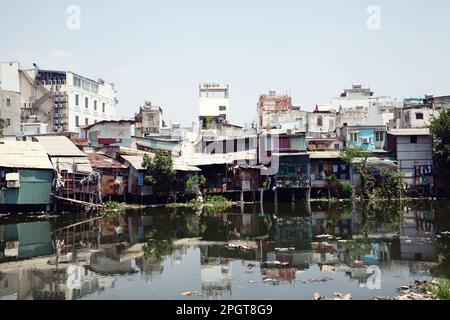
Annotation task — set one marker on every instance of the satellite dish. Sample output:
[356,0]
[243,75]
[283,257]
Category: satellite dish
[148,103]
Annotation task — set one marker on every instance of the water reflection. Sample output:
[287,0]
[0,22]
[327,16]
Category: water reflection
[251,252]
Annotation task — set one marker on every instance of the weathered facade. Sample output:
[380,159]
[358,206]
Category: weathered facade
[64,100]
[10,98]
[109,133]
[149,120]
[114,175]
[321,122]
[371,138]
[413,149]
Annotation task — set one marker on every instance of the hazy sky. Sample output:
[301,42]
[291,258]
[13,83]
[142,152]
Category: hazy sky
[162,50]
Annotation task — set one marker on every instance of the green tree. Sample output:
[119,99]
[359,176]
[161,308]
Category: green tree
[391,184]
[2,127]
[194,183]
[359,157]
[159,172]
[440,128]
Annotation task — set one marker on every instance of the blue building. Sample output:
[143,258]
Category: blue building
[26,175]
[370,138]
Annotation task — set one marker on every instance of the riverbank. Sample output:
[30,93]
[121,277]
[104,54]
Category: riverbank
[422,290]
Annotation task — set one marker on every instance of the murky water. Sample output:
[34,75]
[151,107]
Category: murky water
[249,252]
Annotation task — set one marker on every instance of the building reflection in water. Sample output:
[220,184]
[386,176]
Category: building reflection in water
[357,241]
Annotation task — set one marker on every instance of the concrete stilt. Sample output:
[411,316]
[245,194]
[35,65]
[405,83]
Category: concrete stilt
[261,195]
[276,196]
[293,195]
[242,196]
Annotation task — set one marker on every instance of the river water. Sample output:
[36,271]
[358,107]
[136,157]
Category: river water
[251,252]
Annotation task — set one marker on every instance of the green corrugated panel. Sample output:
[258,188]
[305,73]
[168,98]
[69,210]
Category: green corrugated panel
[35,250]
[34,233]
[298,143]
[10,232]
[35,188]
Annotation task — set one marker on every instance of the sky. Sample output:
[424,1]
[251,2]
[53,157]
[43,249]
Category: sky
[162,50]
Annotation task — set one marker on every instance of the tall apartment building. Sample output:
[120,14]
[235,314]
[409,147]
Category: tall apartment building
[10,97]
[65,100]
[214,103]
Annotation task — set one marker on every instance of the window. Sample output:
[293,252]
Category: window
[413,139]
[77,121]
[8,122]
[77,82]
[379,136]
[86,103]
[103,107]
[285,143]
[8,102]
[95,121]
[336,146]
[86,121]
[222,108]
[77,100]
[319,121]
[354,137]
[419,116]
[95,105]
[268,142]
[24,104]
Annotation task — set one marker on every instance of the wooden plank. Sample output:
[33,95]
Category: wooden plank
[79,202]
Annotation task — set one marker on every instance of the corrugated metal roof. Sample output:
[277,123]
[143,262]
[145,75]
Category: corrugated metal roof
[177,166]
[59,146]
[410,132]
[136,163]
[98,160]
[80,164]
[324,154]
[24,154]
[201,159]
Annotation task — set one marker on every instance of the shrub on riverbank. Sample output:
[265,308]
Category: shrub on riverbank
[113,209]
[441,289]
[209,204]
[338,188]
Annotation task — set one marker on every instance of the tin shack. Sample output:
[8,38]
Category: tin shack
[26,177]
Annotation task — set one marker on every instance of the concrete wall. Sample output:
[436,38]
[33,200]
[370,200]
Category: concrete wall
[410,155]
[10,112]
[9,76]
[271,119]
[209,107]
[328,124]
[121,132]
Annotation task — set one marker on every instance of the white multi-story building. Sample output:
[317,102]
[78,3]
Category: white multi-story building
[10,97]
[214,103]
[358,106]
[65,100]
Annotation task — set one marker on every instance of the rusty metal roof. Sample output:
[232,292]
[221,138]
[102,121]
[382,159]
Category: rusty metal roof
[98,160]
